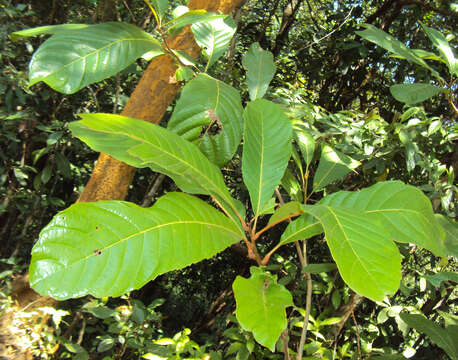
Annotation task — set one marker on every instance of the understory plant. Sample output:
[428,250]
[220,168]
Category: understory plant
[109,248]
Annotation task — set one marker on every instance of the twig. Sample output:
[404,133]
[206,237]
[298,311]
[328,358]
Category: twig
[148,199]
[118,85]
[358,339]
[81,333]
[284,336]
[308,306]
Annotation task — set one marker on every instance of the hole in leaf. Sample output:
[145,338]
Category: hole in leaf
[214,127]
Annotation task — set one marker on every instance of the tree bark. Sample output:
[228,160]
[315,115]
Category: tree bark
[157,88]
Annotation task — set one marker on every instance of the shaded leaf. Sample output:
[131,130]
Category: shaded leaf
[160,6]
[89,55]
[404,210]
[266,150]
[209,114]
[260,306]
[142,144]
[414,93]
[386,41]
[319,268]
[285,211]
[260,70]
[45,30]
[333,166]
[434,331]
[111,247]
[302,228]
[437,279]
[441,43]
[213,37]
[367,259]
[451,234]
[306,143]
[292,186]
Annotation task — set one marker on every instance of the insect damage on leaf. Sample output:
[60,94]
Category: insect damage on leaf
[214,127]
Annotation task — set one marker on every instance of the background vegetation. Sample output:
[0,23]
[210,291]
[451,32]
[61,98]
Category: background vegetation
[328,78]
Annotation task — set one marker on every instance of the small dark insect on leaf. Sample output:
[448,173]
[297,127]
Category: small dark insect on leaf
[215,126]
[97,252]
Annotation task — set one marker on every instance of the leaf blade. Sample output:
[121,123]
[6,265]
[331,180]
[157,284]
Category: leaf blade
[266,150]
[414,93]
[367,259]
[261,304]
[89,55]
[214,36]
[404,209]
[121,246]
[333,166]
[207,102]
[260,70]
[142,144]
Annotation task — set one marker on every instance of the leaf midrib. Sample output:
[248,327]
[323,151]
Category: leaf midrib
[83,58]
[151,228]
[141,140]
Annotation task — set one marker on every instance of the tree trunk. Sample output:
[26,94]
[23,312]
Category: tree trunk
[106,10]
[111,178]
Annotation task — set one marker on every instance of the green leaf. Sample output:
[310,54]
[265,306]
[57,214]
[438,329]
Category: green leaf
[191,17]
[333,166]
[306,143]
[441,43]
[436,279]
[213,37]
[404,210]
[160,6]
[451,235]
[414,93]
[441,337]
[386,41]
[260,70]
[209,114]
[285,211]
[292,186]
[266,150]
[111,247]
[269,207]
[89,55]
[319,268]
[302,228]
[142,144]
[260,306]
[47,30]
[367,259]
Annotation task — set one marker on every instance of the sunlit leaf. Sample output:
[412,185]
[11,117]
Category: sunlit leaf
[261,304]
[89,55]
[367,258]
[141,144]
[266,150]
[111,247]
[45,30]
[213,37]
[260,70]
[404,210]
